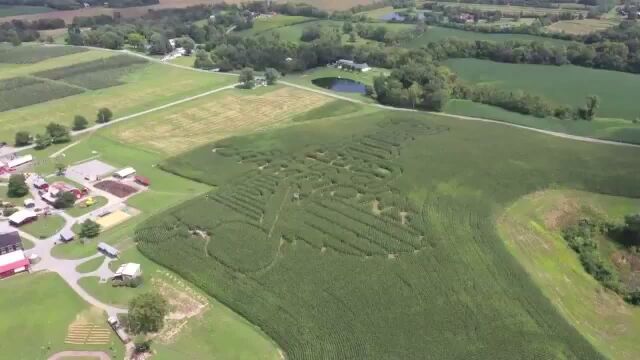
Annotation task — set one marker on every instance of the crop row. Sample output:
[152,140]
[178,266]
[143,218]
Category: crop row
[20,92]
[34,54]
[94,74]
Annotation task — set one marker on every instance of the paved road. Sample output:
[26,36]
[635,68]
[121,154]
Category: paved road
[98,355]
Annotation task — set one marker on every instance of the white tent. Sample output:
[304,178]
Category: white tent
[129,270]
[20,161]
[124,172]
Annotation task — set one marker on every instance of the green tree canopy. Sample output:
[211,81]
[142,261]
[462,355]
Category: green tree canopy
[80,122]
[23,138]
[147,312]
[247,78]
[89,229]
[66,200]
[58,133]
[271,75]
[104,116]
[17,186]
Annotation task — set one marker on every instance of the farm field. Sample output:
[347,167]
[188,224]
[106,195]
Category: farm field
[264,24]
[513,10]
[581,27]
[146,87]
[31,54]
[382,240]
[603,128]
[531,229]
[34,329]
[571,84]
[12,10]
[214,117]
[437,33]
[9,70]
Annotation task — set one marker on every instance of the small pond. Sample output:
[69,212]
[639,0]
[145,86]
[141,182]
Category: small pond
[340,84]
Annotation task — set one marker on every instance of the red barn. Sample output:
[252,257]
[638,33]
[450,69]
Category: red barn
[13,263]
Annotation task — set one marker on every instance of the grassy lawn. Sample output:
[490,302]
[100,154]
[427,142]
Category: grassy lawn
[38,308]
[530,230]
[45,226]
[91,265]
[145,88]
[436,33]
[77,210]
[571,84]
[184,60]
[602,128]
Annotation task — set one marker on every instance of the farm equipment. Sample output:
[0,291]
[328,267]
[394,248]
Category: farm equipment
[119,330]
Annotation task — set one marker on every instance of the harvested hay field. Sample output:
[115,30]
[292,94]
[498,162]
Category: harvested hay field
[116,188]
[113,219]
[81,333]
[195,123]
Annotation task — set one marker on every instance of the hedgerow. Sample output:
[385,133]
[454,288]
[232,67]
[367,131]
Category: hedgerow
[24,91]
[374,237]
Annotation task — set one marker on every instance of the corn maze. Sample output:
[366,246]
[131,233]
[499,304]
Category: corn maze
[24,91]
[373,237]
[34,54]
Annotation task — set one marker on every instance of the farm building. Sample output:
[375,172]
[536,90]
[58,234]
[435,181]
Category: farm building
[108,249]
[128,271]
[351,65]
[10,242]
[66,235]
[20,161]
[142,180]
[13,263]
[22,217]
[124,173]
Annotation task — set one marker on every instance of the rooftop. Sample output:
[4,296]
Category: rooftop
[9,239]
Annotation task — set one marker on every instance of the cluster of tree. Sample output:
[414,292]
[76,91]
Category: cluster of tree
[89,229]
[58,134]
[581,238]
[17,186]
[92,21]
[605,55]
[18,31]
[65,200]
[54,134]
[54,4]
[424,85]
[382,34]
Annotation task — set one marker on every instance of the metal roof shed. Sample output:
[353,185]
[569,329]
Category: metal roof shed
[124,172]
[108,249]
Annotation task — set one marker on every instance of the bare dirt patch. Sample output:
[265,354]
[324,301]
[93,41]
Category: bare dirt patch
[116,188]
[185,303]
[564,212]
[211,119]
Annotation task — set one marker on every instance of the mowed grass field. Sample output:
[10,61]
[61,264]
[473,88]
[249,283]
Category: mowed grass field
[436,33]
[562,84]
[382,227]
[143,87]
[215,117]
[37,310]
[532,229]
[264,24]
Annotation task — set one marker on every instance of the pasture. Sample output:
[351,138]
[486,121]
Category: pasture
[142,87]
[581,27]
[357,226]
[214,117]
[261,25]
[437,33]
[50,62]
[570,84]
[531,229]
[34,329]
